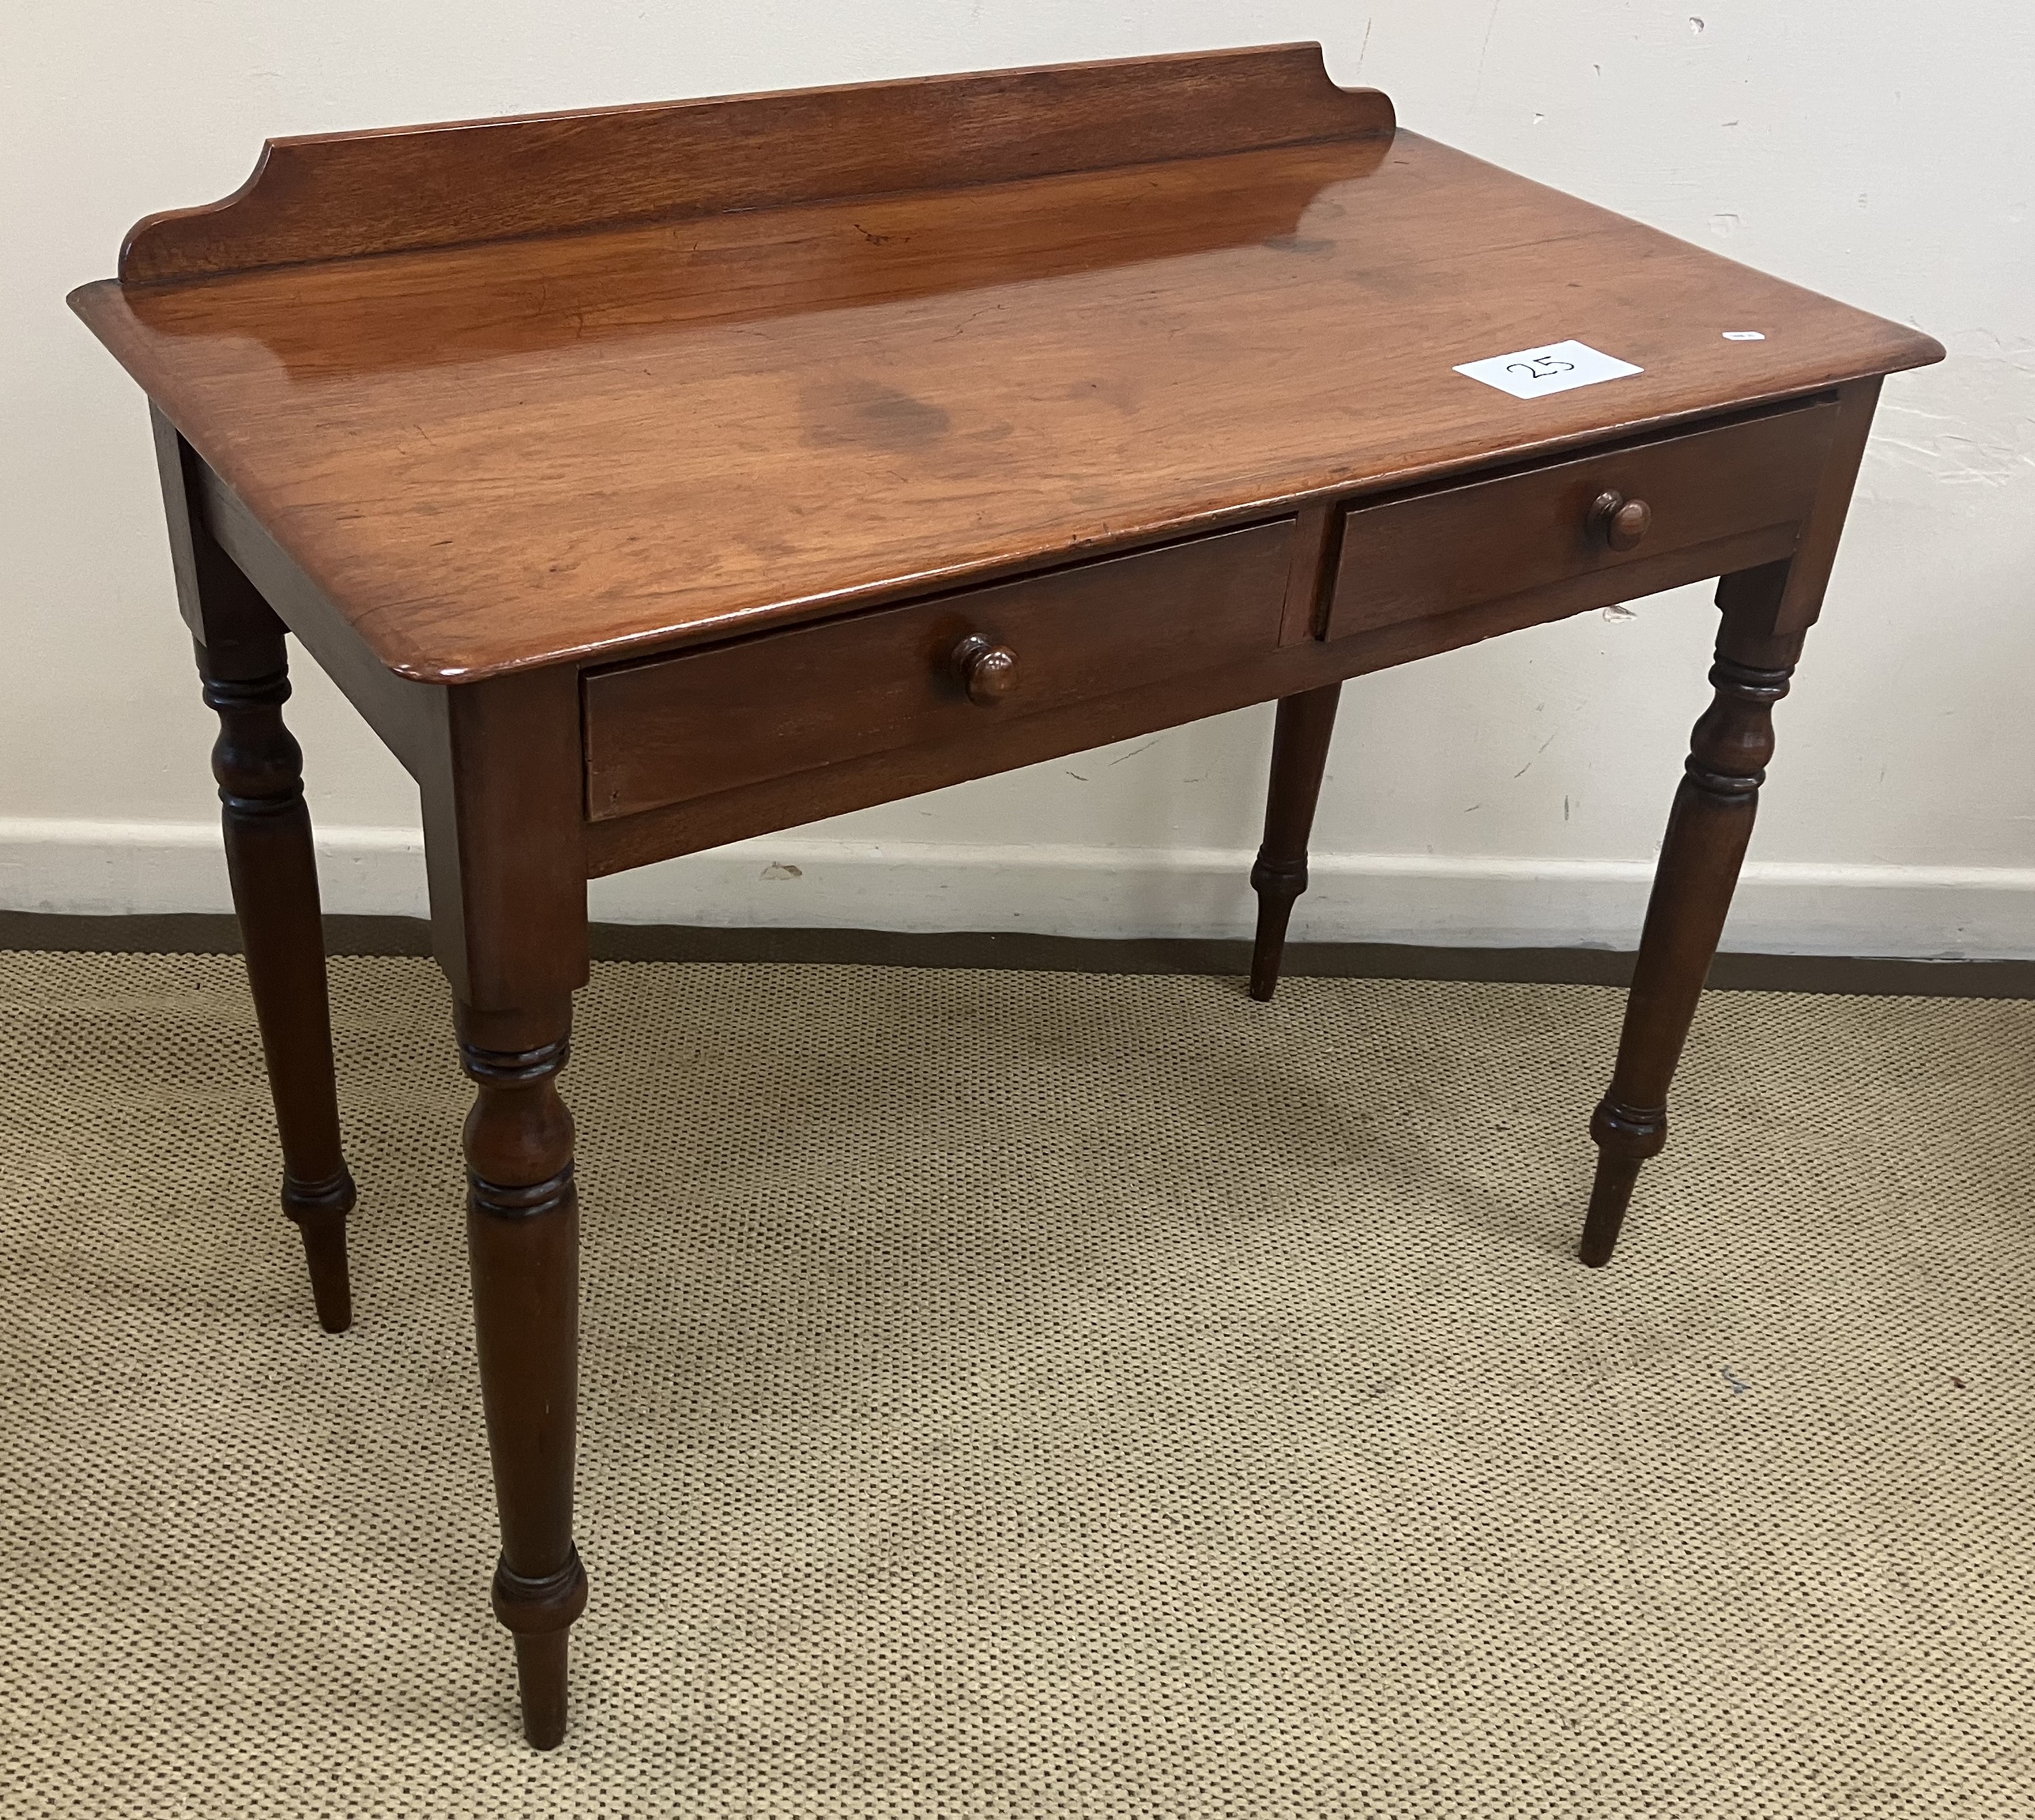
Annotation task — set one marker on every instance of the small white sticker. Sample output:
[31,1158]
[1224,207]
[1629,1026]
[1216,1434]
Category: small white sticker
[1743,335]
[1536,372]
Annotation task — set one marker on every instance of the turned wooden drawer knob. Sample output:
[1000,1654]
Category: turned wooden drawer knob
[988,672]
[1621,522]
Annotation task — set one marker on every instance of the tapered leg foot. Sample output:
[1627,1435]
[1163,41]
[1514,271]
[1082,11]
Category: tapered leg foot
[540,1613]
[540,1682]
[1626,1137]
[320,1210]
[1299,753]
[1278,884]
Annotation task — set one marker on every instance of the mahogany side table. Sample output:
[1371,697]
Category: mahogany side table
[651,477]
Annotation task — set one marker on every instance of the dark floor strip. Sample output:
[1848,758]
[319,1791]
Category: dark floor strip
[216,935]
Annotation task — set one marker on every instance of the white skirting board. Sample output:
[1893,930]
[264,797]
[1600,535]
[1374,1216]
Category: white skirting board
[109,868]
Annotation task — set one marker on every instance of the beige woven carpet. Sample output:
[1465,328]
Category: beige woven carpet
[1026,1394]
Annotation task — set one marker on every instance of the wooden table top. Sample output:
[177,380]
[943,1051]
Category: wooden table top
[595,444]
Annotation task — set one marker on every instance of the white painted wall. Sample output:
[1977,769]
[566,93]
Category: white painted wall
[1512,793]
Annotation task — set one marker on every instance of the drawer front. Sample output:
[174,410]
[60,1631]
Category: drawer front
[675,729]
[1438,552]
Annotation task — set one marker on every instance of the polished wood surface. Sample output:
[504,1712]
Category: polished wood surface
[688,725]
[1450,547]
[1708,831]
[522,1228]
[497,456]
[988,672]
[983,744]
[271,870]
[339,195]
[1765,612]
[1623,524]
[654,477]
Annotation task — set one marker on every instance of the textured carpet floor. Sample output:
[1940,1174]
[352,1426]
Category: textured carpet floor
[1028,1394]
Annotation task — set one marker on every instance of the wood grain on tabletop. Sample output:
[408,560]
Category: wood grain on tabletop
[592,445]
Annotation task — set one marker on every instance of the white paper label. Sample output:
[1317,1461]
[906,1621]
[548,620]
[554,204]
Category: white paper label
[1537,372]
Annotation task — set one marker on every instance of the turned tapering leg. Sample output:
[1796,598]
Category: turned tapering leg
[523,1240]
[274,875]
[1708,829]
[1299,751]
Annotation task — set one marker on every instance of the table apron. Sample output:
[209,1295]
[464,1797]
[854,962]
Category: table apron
[997,746]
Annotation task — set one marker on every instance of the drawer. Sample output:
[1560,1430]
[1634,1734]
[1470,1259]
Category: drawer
[1452,547]
[674,728]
